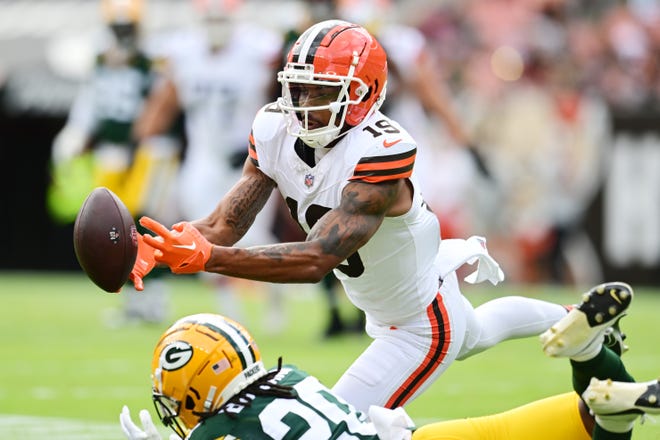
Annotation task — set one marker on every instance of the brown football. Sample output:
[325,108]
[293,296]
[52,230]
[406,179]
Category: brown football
[105,239]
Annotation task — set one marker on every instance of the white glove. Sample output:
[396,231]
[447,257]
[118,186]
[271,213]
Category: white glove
[68,143]
[132,431]
[391,424]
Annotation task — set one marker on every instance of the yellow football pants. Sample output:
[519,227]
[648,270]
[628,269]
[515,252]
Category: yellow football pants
[147,183]
[553,418]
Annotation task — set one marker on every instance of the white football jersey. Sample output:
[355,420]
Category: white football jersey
[392,277]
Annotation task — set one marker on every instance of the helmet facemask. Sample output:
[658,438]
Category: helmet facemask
[332,54]
[324,92]
[168,410]
[125,35]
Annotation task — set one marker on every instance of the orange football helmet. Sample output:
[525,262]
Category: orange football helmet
[344,57]
[200,363]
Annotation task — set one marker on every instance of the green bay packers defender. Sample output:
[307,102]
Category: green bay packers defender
[209,382]
[347,173]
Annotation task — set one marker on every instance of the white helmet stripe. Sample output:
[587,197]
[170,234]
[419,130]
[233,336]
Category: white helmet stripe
[230,332]
[309,40]
[313,39]
[239,342]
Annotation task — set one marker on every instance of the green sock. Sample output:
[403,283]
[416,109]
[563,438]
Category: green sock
[606,365]
[601,434]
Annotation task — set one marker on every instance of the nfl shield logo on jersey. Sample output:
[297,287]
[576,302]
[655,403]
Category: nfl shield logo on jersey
[309,180]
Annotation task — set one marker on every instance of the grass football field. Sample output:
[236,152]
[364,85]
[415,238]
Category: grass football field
[65,372]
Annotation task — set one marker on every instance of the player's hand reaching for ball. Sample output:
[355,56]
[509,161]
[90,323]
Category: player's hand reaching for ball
[144,263]
[184,249]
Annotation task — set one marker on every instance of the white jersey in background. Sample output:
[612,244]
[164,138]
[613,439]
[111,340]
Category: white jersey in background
[220,92]
[445,171]
[220,84]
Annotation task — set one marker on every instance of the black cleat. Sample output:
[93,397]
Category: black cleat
[601,308]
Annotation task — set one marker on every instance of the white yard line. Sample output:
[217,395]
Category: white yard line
[15,427]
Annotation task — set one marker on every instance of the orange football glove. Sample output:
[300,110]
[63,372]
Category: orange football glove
[184,249]
[144,262]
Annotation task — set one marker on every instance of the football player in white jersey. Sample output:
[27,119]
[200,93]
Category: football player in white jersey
[208,81]
[347,173]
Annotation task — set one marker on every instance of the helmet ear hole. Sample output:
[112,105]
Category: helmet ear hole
[363,89]
[190,402]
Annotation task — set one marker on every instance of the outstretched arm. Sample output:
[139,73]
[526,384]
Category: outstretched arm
[336,236]
[236,212]
[224,226]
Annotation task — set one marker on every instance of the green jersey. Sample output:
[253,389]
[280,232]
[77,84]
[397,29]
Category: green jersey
[119,93]
[313,414]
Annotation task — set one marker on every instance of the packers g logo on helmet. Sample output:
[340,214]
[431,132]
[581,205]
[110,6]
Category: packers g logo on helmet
[200,363]
[175,355]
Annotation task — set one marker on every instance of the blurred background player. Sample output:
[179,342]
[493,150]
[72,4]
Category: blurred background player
[419,98]
[99,141]
[522,73]
[218,75]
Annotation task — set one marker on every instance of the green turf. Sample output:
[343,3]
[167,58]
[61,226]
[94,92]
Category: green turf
[60,359]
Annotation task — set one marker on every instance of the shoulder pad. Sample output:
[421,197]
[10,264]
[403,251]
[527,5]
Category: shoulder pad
[268,122]
[389,152]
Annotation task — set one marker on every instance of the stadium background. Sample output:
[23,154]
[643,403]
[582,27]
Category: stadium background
[43,58]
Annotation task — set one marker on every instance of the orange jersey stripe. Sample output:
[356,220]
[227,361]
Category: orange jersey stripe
[252,150]
[385,165]
[378,179]
[439,320]
[383,168]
